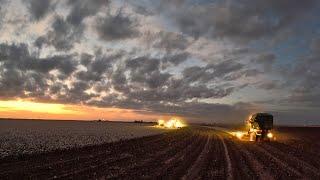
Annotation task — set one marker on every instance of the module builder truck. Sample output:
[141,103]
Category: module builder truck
[260,126]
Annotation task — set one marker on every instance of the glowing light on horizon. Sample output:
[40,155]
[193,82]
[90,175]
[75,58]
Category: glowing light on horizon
[172,123]
[19,105]
[161,122]
[270,135]
[26,109]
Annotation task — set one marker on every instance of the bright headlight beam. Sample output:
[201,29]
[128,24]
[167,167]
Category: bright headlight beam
[270,135]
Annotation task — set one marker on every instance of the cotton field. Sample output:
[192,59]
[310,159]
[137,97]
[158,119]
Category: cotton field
[26,136]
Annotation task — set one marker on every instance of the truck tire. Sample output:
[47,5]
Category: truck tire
[252,136]
[258,138]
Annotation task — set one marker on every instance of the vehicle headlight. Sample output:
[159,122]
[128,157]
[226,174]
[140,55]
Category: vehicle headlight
[270,135]
[239,135]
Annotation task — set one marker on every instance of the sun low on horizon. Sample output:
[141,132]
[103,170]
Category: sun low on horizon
[35,107]
[21,109]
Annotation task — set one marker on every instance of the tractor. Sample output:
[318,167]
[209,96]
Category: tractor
[260,126]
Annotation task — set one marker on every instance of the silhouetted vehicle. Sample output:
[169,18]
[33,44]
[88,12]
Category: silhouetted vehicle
[260,125]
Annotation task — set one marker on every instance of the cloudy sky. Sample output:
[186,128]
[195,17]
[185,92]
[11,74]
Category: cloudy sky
[201,60]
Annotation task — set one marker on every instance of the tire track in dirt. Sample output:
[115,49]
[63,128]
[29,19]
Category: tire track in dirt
[229,174]
[256,165]
[49,162]
[194,170]
[115,168]
[215,166]
[281,163]
[279,169]
[311,158]
[240,166]
[250,166]
[154,161]
[177,166]
[87,159]
[301,166]
[94,160]
[269,158]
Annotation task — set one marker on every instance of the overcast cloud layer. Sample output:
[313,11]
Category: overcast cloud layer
[205,60]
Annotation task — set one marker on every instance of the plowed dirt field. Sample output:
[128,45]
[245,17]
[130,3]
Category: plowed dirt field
[188,153]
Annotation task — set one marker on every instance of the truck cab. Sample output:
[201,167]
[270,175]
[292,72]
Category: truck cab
[260,125]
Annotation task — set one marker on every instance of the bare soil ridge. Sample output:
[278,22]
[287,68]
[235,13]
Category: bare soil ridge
[188,153]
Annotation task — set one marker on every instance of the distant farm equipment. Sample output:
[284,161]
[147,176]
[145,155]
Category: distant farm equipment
[172,123]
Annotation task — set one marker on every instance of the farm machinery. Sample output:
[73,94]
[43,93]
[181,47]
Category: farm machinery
[260,126]
[172,123]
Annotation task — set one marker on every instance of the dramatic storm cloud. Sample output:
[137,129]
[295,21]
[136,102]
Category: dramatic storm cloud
[203,60]
[116,27]
[38,8]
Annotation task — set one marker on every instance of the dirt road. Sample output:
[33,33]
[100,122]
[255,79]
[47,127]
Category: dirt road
[189,153]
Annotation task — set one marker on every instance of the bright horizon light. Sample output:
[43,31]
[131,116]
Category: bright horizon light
[26,109]
[172,123]
[20,105]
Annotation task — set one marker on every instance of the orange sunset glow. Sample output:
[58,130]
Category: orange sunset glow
[36,110]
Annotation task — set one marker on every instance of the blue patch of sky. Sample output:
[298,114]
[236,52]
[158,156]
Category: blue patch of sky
[296,45]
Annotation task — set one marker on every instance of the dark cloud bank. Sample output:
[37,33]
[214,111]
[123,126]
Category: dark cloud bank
[146,82]
[136,83]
